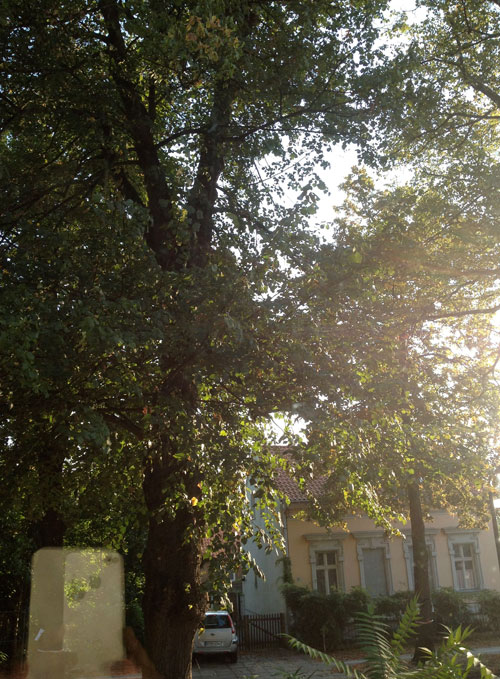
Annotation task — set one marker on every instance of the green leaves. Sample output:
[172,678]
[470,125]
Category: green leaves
[384,655]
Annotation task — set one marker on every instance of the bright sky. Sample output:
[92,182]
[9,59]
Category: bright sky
[342,160]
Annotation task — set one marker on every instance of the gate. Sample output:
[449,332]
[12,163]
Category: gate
[260,631]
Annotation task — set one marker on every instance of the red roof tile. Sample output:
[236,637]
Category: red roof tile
[289,487]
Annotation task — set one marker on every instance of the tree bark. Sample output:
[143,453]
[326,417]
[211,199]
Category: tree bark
[174,600]
[425,635]
[50,528]
[494,523]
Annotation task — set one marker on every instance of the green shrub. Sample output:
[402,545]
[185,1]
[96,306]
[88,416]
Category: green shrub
[320,619]
[385,656]
[356,601]
[393,606]
[450,608]
[489,606]
[134,618]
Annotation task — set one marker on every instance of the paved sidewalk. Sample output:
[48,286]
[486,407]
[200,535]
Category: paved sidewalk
[270,664]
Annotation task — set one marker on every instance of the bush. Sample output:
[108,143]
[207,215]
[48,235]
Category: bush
[385,657]
[356,601]
[320,619]
[450,608]
[393,606]
[134,618]
[489,607]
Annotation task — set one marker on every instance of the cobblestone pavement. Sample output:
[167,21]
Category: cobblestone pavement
[269,664]
[273,663]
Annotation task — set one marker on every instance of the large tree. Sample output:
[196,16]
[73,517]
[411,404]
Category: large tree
[149,257]
[410,422]
[441,116]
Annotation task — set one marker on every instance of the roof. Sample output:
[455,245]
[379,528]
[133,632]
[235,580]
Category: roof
[289,487]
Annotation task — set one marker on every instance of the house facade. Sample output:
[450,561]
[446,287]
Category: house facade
[362,555]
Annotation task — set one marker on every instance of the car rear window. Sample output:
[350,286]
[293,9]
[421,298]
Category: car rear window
[217,621]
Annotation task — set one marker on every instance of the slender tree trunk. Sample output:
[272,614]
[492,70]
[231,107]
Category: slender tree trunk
[494,522]
[425,635]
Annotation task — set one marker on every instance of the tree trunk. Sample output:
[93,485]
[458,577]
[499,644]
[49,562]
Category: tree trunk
[494,523]
[174,599]
[425,634]
[50,529]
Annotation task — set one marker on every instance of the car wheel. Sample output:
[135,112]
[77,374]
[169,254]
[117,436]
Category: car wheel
[233,657]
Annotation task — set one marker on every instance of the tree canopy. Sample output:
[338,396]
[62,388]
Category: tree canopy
[149,311]
[161,295]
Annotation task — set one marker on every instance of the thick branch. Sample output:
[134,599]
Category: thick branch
[466,312]
[124,423]
[480,86]
[160,235]
[203,194]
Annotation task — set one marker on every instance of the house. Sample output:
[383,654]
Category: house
[362,555]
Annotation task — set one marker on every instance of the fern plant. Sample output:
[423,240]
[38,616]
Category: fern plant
[453,660]
[385,657]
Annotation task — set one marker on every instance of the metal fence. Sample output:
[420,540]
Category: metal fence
[260,631]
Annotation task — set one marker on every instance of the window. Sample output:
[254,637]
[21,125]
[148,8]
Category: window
[220,620]
[464,566]
[375,571]
[465,559]
[326,556]
[326,571]
[374,562]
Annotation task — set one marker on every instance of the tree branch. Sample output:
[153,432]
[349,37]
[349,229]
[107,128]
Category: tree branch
[467,312]
[203,195]
[160,235]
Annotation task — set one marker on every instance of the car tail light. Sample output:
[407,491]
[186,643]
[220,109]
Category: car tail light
[232,624]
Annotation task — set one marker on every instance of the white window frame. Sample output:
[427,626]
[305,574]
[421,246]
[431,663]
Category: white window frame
[326,543]
[374,540]
[457,536]
[326,568]
[431,550]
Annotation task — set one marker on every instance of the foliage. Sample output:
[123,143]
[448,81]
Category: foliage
[357,600]
[384,654]
[154,279]
[421,405]
[414,424]
[287,569]
[160,298]
[330,613]
[393,605]
[450,608]
[447,63]
[489,607]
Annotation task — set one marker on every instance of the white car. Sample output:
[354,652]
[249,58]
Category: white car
[217,635]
